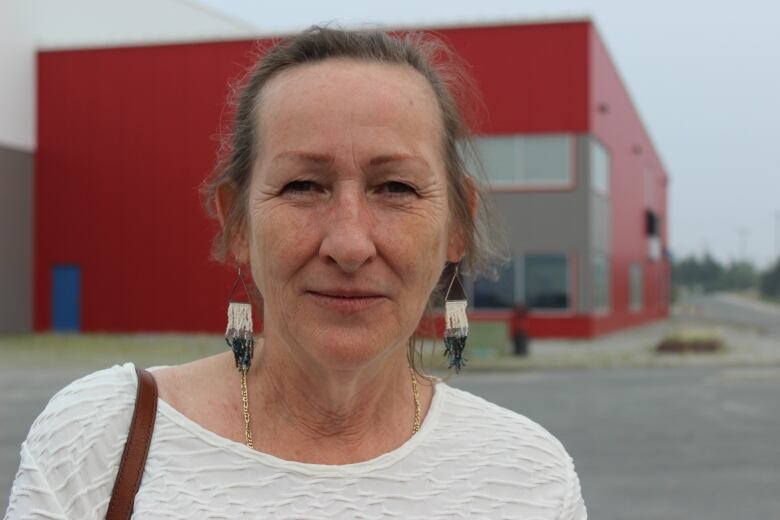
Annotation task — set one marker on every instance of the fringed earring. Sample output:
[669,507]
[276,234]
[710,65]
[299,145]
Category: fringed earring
[456,327]
[239,338]
[238,334]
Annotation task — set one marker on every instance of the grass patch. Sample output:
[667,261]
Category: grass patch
[769,299]
[487,340]
[691,340]
[100,350]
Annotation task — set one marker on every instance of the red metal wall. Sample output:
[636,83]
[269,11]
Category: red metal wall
[532,78]
[126,135]
[615,121]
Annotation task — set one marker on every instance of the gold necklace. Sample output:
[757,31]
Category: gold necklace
[248,416]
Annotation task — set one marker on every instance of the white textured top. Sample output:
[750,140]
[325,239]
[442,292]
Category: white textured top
[470,459]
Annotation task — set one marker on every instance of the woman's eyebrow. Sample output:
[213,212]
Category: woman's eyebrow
[307,157]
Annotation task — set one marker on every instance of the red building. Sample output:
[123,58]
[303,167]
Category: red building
[126,135]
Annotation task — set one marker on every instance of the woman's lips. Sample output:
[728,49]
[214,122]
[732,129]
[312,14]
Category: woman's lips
[346,302]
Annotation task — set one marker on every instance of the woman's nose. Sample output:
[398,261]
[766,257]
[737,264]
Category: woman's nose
[348,239]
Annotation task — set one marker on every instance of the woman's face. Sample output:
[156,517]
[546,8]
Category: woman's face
[348,220]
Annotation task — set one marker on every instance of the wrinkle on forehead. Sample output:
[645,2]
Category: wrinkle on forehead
[312,96]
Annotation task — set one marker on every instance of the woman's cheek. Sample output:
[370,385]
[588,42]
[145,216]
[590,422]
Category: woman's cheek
[287,239]
[414,240]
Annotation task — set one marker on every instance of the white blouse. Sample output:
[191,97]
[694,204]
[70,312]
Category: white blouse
[470,459]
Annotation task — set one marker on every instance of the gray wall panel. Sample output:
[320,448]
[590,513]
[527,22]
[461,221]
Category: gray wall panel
[16,239]
[554,221]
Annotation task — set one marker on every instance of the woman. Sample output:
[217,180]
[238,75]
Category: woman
[345,195]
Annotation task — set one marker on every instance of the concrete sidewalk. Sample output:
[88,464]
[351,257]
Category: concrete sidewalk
[745,346]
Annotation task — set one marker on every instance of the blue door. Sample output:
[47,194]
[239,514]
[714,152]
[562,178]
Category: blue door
[66,298]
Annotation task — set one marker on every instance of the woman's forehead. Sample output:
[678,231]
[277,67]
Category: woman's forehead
[339,99]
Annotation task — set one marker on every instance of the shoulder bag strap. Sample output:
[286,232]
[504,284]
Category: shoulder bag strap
[131,467]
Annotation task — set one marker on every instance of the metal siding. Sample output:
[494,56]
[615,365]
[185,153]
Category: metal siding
[126,135]
[616,123]
[16,212]
[553,222]
[533,78]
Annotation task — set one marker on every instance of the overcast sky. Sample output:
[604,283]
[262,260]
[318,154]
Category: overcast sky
[705,75]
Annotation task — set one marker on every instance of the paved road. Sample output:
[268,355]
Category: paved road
[663,443]
[733,309]
[24,391]
[675,443]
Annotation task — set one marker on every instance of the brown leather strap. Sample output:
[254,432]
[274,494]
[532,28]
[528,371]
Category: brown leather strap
[131,467]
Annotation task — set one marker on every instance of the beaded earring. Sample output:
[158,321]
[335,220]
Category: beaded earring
[238,334]
[456,327]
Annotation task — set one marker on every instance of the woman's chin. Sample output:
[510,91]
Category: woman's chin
[348,349]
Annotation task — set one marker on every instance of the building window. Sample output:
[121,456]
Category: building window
[545,160]
[496,294]
[535,161]
[546,282]
[599,167]
[635,286]
[601,285]
[499,158]
[653,231]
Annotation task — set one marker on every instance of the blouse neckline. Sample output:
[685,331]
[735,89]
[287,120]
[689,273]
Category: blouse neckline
[336,470]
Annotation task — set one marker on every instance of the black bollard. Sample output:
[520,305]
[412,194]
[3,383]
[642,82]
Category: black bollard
[521,343]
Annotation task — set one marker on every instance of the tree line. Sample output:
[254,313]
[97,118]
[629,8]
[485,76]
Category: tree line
[708,274]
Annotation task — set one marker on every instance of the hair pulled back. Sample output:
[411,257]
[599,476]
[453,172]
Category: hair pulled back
[425,54]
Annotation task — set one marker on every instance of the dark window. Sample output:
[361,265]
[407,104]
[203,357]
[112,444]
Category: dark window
[651,223]
[546,280]
[498,294]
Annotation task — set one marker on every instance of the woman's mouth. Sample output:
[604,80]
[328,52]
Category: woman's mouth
[345,301]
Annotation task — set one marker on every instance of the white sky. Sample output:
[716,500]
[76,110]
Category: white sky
[705,75]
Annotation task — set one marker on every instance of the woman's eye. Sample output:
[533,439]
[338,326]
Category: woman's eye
[398,188]
[300,186]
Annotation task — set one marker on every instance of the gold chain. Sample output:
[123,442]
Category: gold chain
[248,417]
[417,409]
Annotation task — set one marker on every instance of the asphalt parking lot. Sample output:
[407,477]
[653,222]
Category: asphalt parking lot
[659,443]
[649,443]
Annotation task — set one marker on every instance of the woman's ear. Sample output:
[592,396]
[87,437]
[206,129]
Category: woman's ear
[224,201]
[457,242]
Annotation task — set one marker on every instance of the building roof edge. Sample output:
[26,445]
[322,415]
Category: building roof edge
[471,23]
[631,98]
